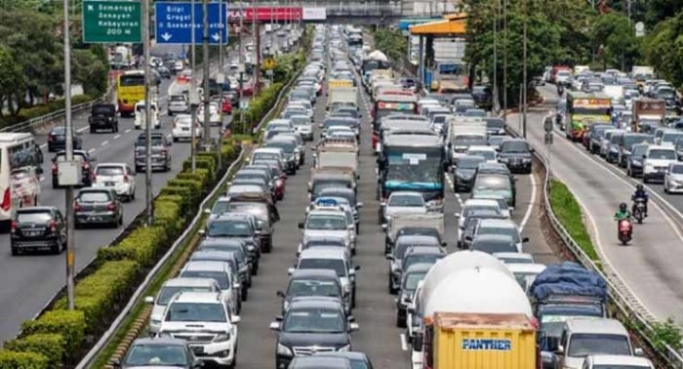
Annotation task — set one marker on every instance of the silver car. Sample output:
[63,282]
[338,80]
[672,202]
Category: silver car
[673,178]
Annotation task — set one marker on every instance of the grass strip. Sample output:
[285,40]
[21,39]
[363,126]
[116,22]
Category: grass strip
[568,212]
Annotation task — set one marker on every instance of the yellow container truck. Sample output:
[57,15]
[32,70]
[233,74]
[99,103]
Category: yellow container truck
[481,341]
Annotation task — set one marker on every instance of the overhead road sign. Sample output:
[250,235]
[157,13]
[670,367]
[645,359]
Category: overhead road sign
[266,14]
[174,22]
[111,22]
[314,14]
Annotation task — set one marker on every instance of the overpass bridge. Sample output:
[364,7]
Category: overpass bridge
[358,12]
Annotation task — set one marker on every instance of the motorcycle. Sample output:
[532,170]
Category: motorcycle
[560,90]
[625,231]
[639,210]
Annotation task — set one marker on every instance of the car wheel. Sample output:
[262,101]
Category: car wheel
[54,183]
[92,130]
[56,249]
[401,323]
[116,128]
[353,298]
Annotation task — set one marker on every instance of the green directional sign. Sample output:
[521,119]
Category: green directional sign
[109,21]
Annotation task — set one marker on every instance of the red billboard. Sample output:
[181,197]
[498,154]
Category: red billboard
[266,14]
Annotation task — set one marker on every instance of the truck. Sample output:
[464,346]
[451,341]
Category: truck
[339,83]
[641,73]
[647,110]
[342,97]
[463,133]
[562,292]
[469,340]
[467,282]
[374,60]
[336,156]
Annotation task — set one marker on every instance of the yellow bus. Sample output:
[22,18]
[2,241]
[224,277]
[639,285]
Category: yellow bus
[130,88]
[584,109]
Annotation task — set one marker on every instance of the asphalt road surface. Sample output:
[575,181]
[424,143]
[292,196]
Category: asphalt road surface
[648,269]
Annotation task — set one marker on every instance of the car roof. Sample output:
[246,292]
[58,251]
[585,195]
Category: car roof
[324,253]
[189,282]
[418,267]
[159,341]
[603,325]
[194,296]
[415,238]
[479,202]
[214,266]
[317,362]
[34,209]
[312,302]
[405,193]
[318,273]
[222,241]
[498,223]
[526,268]
[421,250]
[232,216]
[513,255]
[493,238]
[620,360]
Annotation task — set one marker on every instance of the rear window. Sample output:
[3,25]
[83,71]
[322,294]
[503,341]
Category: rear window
[109,171]
[94,197]
[34,217]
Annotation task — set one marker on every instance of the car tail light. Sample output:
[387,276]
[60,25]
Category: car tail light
[94,178]
[54,167]
[6,200]
[86,166]
[14,226]
[53,226]
[125,178]
[77,206]
[51,137]
[164,152]
[112,206]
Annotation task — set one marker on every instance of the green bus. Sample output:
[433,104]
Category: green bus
[584,109]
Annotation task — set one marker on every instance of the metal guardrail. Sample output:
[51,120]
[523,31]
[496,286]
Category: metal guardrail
[31,124]
[115,325]
[626,308]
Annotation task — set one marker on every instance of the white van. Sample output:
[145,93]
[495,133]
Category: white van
[140,115]
[20,171]
[656,161]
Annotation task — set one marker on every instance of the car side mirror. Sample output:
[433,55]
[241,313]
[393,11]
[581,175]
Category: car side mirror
[290,271]
[359,205]
[559,350]
[639,352]
[456,215]
[207,211]
[280,294]
[351,227]
[353,327]
[275,326]
[235,319]
[644,156]
[301,225]
[525,239]
[116,362]
[202,232]
[149,299]
[532,150]
[385,227]
[236,286]
[468,238]
[389,257]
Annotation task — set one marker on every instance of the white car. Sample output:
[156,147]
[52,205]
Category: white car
[140,122]
[178,104]
[502,203]
[116,176]
[329,223]
[303,126]
[616,361]
[169,289]
[223,274]
[514,257]
[656,161]
[214,115]
[673,179]
[202,319]
[403,202]
[525,274]
[285,123]
[472,205]
[487,152]
[25,185]
[182,125]
[505,227]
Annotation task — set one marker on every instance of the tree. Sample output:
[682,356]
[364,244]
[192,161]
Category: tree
[660,10]
[664,49]
[89,71]
[11,78]
[616,33]
[392,43]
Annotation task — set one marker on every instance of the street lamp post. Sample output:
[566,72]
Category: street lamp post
[69,193]
[207,76]
[194,99]
[495,56]
[524,81]
[148,113]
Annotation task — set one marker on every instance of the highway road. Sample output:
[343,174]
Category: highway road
[29,282]
[375,313]
[648,269]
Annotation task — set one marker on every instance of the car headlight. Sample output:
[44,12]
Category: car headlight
[222,337]
[155,321]
[347,288]
[637,162]
[345,348]
[503,160]
[164,335]
[649,166]
[285,305]
[283,350]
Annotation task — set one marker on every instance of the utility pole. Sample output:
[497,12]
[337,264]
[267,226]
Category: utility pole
[505,59]
[525,88]
[220,80]
[207,76]
[69,196]
[495,56]
[240,64]
[148,113]
[193,94]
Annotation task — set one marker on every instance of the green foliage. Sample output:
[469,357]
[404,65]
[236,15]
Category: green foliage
[49,345]
[141,245]
[196,192]
[202,162]
[667,333]
[391,42]
[259,106]
[615,32]
[182,192]
[568,212]
[167,215]
[70,324]
[22,360]
[664,49]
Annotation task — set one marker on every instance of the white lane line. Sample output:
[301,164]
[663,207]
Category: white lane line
[117,136]
[128,130]
[459,198]
[91,151]
[43,146]
[404,342]
[105,143]
[532,202]
[82,129]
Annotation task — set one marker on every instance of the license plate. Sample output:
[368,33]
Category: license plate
[110,184]
[95,219]
[186,129]
[198,349]
[32,234]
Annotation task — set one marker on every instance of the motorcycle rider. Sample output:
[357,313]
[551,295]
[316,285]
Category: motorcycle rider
[640,195]
[623,213]
[560,89]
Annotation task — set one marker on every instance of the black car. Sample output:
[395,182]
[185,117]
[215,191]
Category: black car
[103,116]
[313,282]
[36,228]
[465,172]
[311,324]
[238,226]
[516,154]
[86,167]
[409,282]
[482,96]
[634,164]
[244,260]
[160,352]
[319,362]
[258,205]
[56,140]
[161,152]
[97,206]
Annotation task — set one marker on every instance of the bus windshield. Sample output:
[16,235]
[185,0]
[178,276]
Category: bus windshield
[414,166]
[132,80]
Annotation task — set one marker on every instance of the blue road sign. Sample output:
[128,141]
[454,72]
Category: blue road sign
[174,22]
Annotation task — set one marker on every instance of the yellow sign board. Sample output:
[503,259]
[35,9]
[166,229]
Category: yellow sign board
[335,83]
[269,63]
[592,103]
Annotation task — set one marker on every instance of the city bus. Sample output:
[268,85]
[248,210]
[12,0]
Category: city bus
[584,109]
[130,88]
[391,102]
[413,163]
[20,170]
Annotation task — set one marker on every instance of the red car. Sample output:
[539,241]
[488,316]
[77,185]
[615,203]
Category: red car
[226,106]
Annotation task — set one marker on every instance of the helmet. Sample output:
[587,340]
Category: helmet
[623,206]
[639,187]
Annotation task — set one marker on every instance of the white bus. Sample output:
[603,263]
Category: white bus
[20,171]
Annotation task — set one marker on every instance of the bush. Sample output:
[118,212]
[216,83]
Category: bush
[203,163]
[49,345]
[141,245]
[202,177]
[183,193]
[196,190]
[22,360]
[70,324]
[43,109]
[229,153]
[98,293]
[167,215]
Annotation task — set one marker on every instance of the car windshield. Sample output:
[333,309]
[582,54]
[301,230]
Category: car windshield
[220,277]
[337,265]
[508,231]
[326,222]
[109,171]
[229,228]
[156,355]
[662,154]
[495,124]
[514,147]
[314,321]
[168,291]
[582,345]
[469,163]
[34,217]
[492,182]
[300,287]
[421,258]
[286,146]
[196,312]
[176,98]
[412,279]
[265,156]
[92,196]
[631,140]
[406,201]
[487,154]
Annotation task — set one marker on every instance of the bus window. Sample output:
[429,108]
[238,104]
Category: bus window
[128,80]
